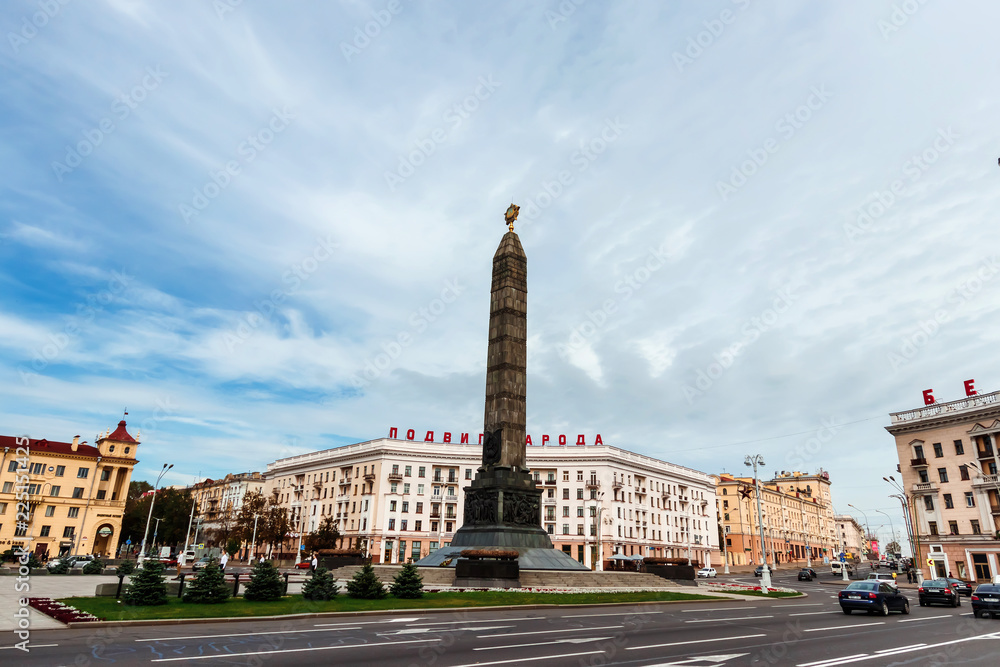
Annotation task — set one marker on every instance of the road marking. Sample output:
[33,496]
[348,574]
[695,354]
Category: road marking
[927,618]
[392,620]
[736,618]
[29,646]
[684,662]
[493,620]
[423,631]
[688,611]
[815,613]
[545,632]
[841,627]
[693,641]
[831,661]
[581,640]
[519,660]
[811,604]
[595,615]
[245,634]
[295,650]
[905,649]
[900,648]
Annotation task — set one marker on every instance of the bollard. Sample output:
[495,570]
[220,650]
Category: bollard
[118,593]
[236,583]
[180,589]
[286,584]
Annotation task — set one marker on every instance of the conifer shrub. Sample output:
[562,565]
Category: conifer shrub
[61,567]
[408,583]
[147,586]
[208,587]
[265,583]
[95,566]
[366,585]
[320,586]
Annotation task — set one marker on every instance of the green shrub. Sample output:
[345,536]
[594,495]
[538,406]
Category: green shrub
[147,586]
[95,566]
[408,583]
[265,583]
[61,567]
[366,585]
[209,587]
[320,586]
[126,567]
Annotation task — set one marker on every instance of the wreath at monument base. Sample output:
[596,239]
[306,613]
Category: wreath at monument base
[497,554]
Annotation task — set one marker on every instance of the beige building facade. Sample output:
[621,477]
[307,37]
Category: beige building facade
[220,500]
[850,535]
[65,497]
[402,499]
[948,461]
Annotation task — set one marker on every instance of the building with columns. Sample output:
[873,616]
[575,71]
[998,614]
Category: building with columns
[797,517]
[402,499]
[948,462]
[75,492]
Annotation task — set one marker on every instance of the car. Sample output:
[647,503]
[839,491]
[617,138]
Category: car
[812,572]
[168,561]
[938,591]
[201,563]
[304,565]
[986,601]
[805,574]
[873,597]
[837,568]
[960,587]
[760,570]
[879,576]
[707,572]
[71,561]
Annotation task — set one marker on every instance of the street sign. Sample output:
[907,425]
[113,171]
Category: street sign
[842,559]
[128,541]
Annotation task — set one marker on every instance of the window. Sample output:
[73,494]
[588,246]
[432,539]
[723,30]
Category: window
[45,531]
[565,510]
[918,451]
[579,511]
[437,490]
[393,488]
[420,489]
[406,506]
[56,490]
[975,528]
[932,525]
[970,500]
[8,487]
[948,504]
[468,475]
[565,528]
[416,525]
[551,477]
[943,474]
[448,526]
[60,471]
[579,494]
[550,529]
[408,471]
[105,474]
[406,488]
[959,447]
[68,531]
[82,473]
[579,475]
[415,551]
[102,493]
[725,503]
[963,470]
[395,468]
[922,474]
[579,529]
[392,524]
[938,450]
[78,492]
[565,494]
[50,510]
[928,503]
[420,508]
[37,468]
[953,527]
[565,475]
[402,524]
[421,471]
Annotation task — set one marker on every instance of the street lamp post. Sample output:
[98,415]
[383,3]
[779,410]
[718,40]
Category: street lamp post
[909,516]
[166,467]
[187,537]
[754,461]
[599,565]
[868,529]
[809,562]
[156,530]
[892,528]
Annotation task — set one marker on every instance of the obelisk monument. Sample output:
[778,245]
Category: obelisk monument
[503,503]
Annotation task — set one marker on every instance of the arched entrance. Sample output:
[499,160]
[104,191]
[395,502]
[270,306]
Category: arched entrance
[102,540]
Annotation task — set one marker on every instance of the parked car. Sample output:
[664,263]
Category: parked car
[168,561]
[760,570]
[938,591]
[201,563]
[986,601]
[71,561]
[707,572]
[960,587]
[805,574]
[873,597]
[881,576]
[304,565]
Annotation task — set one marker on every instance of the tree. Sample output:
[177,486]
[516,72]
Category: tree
[252,513]
[324,537]
[366,585]
[408,583]
[265,583]
[173,505]
[94,567]
[209,587]
[892,548]
[276,526]
[147,586]
[232,546]
[320,586]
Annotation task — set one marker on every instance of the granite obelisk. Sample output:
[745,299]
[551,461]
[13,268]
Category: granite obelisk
[503,503]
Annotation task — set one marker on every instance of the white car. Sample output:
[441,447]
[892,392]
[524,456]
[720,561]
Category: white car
[879,576]
[707,572]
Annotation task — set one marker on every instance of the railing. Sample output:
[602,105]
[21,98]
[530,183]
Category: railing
[924,487]
[550,482]
[345,482]
[936,409]
[984,452]
[617,484]
[435,515]
[983,480]
[593,483]
[451,499]
[920,461]
[395,477]
[369,477]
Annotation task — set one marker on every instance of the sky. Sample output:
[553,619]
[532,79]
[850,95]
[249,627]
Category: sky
[266,229]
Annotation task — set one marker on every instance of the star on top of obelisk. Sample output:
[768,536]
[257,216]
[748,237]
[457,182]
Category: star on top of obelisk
[511,215]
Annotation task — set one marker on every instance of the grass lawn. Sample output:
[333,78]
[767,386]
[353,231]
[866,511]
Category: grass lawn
[772,594]
[110,609]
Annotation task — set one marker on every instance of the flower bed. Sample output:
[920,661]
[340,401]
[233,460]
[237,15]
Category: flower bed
[61,612]
[729,588]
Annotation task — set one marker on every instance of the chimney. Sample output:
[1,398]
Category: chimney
[76,442]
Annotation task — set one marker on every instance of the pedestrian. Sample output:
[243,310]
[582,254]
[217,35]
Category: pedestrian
[223,561]
[261,558]
[314,562]
[909,577]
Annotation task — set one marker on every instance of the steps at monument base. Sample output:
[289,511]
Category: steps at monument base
[445,576]
[433,576]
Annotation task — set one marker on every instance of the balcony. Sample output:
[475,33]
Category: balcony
[450,498]
[550,482]
[986,480]
[593,483]
[345,482]
[369,477]
[995,510]
[318,483]
[984,452]
[924,488]
[549,501]
[666,494]
[918,462]
[436,515]
[395,477]
[617,484]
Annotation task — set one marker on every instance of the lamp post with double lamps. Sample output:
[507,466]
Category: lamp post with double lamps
[754,461]
[142,553]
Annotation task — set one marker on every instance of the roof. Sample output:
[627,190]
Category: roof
[120,434]
[44,446]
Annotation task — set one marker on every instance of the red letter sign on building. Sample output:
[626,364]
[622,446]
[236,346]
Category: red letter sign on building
[970,388]
[928,397]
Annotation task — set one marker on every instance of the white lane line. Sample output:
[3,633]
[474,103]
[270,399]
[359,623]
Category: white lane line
[246,634]
[688,611]
[693,641]
[295,650]
[719,620]
[619,614]
[580,640]
[841,627]
[489,620]
[816,613]
[900,648]
[926,618]
[393,620]
[831,661]
[918,647]
[424,631]
[811,604]
[520,660]
[29,646]
[546,632]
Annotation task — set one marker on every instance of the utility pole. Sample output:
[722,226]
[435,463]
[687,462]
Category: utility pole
[765,580]
[142,553]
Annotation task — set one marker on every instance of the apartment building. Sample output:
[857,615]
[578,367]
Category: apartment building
[850,535]
[220,500]
[75,492]
[948,461]
[402,499]
[797,516]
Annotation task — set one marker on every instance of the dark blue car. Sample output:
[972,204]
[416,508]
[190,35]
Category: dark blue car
[874,597]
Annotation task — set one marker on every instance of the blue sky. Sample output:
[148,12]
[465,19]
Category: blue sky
[740,219]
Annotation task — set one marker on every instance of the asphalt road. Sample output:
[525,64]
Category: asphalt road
[810,632]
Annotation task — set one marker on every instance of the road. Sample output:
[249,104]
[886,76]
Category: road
[809,632]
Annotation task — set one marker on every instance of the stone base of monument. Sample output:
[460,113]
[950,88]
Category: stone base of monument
[528,558]
[486,572]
